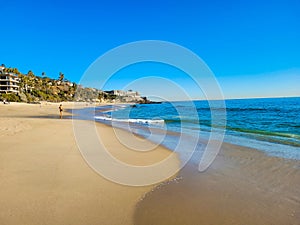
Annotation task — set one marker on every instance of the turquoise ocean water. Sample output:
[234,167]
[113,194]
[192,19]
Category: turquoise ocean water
[271,125]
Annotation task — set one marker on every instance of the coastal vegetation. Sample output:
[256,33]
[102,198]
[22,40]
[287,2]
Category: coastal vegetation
[34,89]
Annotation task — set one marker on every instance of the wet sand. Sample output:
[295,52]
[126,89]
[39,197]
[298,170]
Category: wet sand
[242,186]
[44,180]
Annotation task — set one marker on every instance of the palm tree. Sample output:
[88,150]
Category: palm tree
[61,76]
[44,82]
[30,80]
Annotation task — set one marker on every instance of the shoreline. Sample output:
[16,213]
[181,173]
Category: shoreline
[242,186]
[236,184]
[283,141]
[245,177]
[45,180]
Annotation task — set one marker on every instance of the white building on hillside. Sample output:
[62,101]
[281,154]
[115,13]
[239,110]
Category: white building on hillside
[9,82]
[126,96]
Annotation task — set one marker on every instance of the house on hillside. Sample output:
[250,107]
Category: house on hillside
[9,82]
[125,96]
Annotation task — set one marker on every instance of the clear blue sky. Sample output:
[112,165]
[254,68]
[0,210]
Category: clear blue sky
[252,47]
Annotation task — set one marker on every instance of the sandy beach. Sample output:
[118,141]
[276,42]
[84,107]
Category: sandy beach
[45,180]
[242,186]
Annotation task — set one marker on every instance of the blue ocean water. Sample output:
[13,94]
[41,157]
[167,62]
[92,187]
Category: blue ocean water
[271,125]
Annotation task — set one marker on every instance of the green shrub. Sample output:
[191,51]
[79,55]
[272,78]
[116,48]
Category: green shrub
[10,97]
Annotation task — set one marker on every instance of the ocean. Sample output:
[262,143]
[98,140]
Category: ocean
[271,125]
[242,185]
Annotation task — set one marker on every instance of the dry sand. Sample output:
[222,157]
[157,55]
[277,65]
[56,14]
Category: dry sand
[45,180]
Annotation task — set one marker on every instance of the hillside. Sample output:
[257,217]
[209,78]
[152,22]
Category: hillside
[33,89]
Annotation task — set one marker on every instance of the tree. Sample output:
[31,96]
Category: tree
[61,76]
[30,74]
[16,71]
[44,82]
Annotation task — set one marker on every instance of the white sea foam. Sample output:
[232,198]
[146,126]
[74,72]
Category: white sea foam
[156,122]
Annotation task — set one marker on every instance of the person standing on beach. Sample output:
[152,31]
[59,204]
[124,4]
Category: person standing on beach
[60,110]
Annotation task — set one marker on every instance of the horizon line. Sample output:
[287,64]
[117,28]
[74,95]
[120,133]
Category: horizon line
[247,98]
